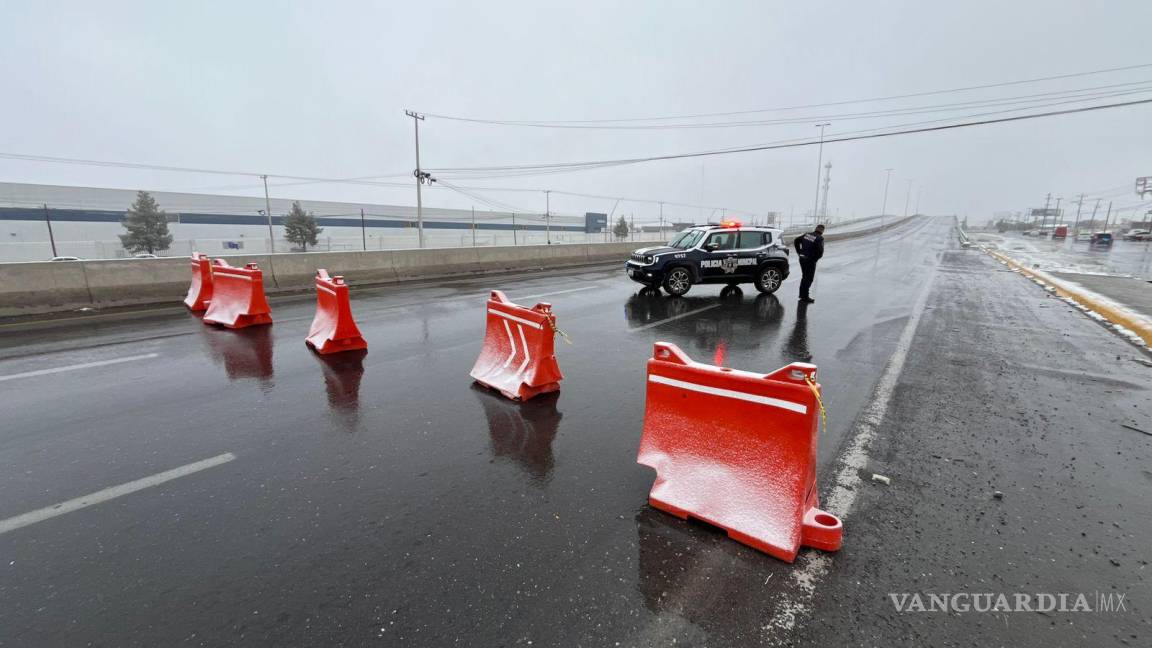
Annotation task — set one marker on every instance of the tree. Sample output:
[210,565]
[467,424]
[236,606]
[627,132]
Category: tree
[620,229]
[300,227]
[147,226]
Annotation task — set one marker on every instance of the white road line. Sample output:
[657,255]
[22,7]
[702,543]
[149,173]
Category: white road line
[86,365]
[796,598]
[549,294]
[730,393]
[13,523]
[674,317]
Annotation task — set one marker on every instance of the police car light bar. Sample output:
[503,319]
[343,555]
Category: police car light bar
[730,223]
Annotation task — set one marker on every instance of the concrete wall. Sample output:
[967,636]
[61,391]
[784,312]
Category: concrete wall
[43,287]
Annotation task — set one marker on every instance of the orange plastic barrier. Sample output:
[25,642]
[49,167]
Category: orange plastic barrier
[200,292]
[518,355]
[333,329]
[738,450]
[237,296]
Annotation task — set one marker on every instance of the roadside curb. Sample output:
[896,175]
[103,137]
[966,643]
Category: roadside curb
[1132,325]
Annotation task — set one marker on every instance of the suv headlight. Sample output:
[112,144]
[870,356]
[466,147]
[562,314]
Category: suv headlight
[647,258]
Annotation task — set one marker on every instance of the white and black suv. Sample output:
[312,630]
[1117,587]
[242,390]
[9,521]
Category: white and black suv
[713,254]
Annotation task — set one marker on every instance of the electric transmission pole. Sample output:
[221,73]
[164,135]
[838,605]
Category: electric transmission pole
[268,211]
[416,119]
[884,205]
[819,161]
[1079,204]
[908,198]
[548,215]
[827,183]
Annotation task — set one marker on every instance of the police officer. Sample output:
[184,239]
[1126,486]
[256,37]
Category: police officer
[809,247]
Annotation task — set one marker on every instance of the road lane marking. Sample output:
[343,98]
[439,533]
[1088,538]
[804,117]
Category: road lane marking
[730,393]
[673,318]
[555,292]
[85,365]
[13,523]
[795,603]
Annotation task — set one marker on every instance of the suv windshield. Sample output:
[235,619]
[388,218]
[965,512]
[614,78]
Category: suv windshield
[686,239]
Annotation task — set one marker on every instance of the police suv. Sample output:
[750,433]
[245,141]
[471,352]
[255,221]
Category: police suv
[713,254]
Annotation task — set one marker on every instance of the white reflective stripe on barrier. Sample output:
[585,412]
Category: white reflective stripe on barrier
[728,393]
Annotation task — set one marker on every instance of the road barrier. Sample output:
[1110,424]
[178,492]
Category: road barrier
[518,358]
[238,297]
[107,283]
[737,450]
[200,292]
[333,330]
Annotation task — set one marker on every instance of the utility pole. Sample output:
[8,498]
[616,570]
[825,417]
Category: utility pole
[514,229]
[827,183]
[1108,216]
[51,238]
[1056,217]
[661,220]
[268,211]
[884,205]
[1079,204]
[632,226]
[363,232]
[819,161]
[919,194]
[548,215]
[1094,209]
[416,119]
[1044,216]
[473,225]
[908,198]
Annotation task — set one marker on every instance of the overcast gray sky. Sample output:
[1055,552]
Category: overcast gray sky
[320,88]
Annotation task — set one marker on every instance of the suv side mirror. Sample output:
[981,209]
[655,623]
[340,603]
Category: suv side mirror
[711,247]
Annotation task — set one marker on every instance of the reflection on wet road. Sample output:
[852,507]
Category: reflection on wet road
[382,497]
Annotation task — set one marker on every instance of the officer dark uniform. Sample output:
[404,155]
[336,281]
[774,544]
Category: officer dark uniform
[809,247]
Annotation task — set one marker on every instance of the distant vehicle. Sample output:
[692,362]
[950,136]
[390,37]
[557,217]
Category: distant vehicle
[144,255]
[1101,239]
[1083,236]
[728,253]
[1030,232]
[65,258]
[1138,235]
[1060,232]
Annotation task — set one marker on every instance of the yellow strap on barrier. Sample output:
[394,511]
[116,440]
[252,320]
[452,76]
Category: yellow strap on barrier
[820,401]
[556,329]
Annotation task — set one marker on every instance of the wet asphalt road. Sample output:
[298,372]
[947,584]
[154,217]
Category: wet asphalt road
[383,499]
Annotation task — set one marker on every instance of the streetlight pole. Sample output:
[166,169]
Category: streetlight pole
[884,205]
[908,198]
[268,212]
[819,161]
[416,119]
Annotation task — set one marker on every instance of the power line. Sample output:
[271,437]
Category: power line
[816,105]
[1086,93]
[567,166]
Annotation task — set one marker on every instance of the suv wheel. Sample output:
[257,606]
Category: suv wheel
[678,281]
[769,279]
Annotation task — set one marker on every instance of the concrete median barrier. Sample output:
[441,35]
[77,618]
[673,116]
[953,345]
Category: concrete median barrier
[47,287]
